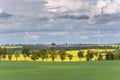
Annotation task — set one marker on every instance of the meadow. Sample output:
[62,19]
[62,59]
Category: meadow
[91,70]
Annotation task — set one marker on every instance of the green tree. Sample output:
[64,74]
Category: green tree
[34,55]
[17,54]
[4,53]
[53,53]
[70,56]
[89,55]
[80,54]
[1,53]
[10,53]
[109,55]
[100,57]
[43,53]
[116,54]
[62,54]
[53,44]
[25,52]
[96,54]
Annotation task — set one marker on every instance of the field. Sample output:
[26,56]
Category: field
[11,47]
[99,70]
[73,52]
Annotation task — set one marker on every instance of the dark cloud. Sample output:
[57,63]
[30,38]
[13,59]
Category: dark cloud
[75,17]
[106,18]
[5,15]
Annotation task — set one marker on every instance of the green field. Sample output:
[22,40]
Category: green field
[97,70]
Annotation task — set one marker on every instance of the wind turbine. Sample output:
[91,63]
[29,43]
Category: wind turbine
[27,37]
[93,21]
[68,38]
[99,36]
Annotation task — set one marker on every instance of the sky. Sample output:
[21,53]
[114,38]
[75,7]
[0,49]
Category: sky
[59,21]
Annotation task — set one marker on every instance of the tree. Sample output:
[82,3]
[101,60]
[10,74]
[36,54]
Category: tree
[96,54]
[1,53]
[17,54]
[80,54]
[70,56]
[10,53]
[53,53]
[4,53]
[25,52]
[89,55]
[62,54]
[53,44]
[116,54]
[34,55]
[43,54]
[109,56]
[100,57]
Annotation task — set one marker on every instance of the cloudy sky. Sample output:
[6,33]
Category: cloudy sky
[59,21]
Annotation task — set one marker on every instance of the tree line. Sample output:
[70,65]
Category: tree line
[105,55]
[69,46]
[43,53]
[52,52]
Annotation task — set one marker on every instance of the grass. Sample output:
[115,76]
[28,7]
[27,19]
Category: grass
[99,70]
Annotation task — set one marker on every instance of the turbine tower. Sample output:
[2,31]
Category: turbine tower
[98,39]
[68,38]
[99,35]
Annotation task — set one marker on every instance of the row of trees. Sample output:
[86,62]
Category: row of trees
[53,53]
[72,46]
[105,55]
[43,53]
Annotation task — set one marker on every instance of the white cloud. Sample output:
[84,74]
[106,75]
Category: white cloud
[84,37]
[34,36]
[1,10]
[106,6]
[65,5]
[96,9]
[57,33]
[109,6]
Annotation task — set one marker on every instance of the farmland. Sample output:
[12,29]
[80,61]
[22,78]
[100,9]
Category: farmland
[58,53]
[11,47]
[21,70]
[72,52]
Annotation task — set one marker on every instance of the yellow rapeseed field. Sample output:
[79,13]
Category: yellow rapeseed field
[73,52]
